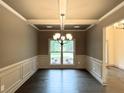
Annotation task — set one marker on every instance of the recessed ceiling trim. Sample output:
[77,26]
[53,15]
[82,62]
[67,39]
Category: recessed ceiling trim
[64,30]
[34,26]
[71,22]
[112,11]
[90,27]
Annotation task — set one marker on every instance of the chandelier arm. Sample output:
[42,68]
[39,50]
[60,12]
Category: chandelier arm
[59,42]
[62,42]
[65,42]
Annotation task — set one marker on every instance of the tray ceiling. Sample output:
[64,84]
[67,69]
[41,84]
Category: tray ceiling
[57,27]
[45,11]
[76,9]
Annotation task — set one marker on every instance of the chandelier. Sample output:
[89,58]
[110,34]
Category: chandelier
[61,37]
[119,25]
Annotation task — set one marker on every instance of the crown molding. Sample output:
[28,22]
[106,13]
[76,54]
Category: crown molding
[5,5]
[12,10]
[69,22]
[112,11]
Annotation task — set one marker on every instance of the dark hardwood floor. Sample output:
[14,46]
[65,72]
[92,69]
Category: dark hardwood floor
[65,81]
[61,81]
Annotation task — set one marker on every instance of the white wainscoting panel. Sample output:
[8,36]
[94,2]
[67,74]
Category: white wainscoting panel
[13,76]
[44,62]
[94,66]
[80,61]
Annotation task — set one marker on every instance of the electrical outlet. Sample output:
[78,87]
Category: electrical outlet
[2,87]
[94,68]
[78,62]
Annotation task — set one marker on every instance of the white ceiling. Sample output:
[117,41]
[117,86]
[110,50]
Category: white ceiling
[89,9]
[77,11]
[36,9]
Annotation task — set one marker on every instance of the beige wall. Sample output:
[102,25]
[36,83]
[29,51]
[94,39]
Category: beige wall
[43,50]
[44,36]
[119,48]
[18,40]
[95,34]
[110,40]
[116,47]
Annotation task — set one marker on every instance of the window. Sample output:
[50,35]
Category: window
[56,53]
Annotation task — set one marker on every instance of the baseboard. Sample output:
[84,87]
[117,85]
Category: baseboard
[95,75]
[120,67]
[94,67]
[112,65]
[15,75]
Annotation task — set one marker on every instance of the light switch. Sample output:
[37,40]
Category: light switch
[2,87]
[93,68]
[78,62]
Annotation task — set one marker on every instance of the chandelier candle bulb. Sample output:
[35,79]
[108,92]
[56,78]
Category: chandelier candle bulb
[63,38]
[57,35]
[69,36]
[54,37]
[119,25]
[122,21]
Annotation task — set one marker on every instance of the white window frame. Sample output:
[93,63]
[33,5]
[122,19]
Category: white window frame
[61,63]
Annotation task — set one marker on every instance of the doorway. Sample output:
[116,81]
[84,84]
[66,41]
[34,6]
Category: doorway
[113,47]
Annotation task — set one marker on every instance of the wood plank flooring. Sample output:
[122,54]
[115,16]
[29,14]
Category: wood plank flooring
[66,81]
